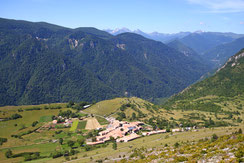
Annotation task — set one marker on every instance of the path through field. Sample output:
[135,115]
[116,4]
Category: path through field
[92,123]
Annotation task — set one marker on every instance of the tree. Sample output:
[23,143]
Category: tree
[16,116]
[87,148]
[27,157]
[3,140]
[133,116]
[34,123]
[71,143]
[61,140]
[114,145]
[81,141]
[70,104]
[8,153]
[111,138]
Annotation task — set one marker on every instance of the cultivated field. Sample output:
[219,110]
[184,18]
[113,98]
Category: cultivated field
[92,124]
[74,125]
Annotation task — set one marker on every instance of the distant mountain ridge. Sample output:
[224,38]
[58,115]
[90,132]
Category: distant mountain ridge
[163,37]
[45,63]
[190,39]
[204,41]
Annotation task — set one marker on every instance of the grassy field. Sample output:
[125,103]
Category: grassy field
[82,125]
[74,125]
[46,141]
[47,118]
[7,128]
[112,107]
[154,141]
[106,107]
[102,121]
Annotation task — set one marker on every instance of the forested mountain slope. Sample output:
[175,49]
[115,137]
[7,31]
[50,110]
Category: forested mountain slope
[227,83]
[44,63]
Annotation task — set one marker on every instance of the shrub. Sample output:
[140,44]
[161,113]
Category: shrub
[3,140]
[34,123]
[176,145]
[214,137]
[16,116]
[114,145]
[8,153]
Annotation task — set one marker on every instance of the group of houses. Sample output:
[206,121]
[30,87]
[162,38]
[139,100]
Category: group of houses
[122,131]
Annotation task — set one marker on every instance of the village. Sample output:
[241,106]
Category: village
[120,131]
[123,131]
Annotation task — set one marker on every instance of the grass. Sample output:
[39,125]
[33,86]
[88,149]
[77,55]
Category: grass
[47,118]
[106,107]
[40,141]
[153,141]
[74,125]
[82,125]
[102,121]
[111,107]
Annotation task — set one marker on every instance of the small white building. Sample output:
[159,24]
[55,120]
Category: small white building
[86,106]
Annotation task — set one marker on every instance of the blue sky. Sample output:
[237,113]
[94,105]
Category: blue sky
[165,16]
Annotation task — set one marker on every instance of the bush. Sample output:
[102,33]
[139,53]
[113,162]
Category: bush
[3,140]
[214,137]
[16,116]
[114,145]
[70,143]
[181,159]
[87,148]
[56,154]
[240,131]
[176,145]
[34,123]
[8,153]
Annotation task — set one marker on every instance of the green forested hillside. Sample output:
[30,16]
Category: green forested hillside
[44,63]
[213,93]
[220,54]
[189,52]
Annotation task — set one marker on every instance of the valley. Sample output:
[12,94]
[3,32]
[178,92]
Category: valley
[89,95]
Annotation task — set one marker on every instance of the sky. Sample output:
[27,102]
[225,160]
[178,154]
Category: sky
[164,16]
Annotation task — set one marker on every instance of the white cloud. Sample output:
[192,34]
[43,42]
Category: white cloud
[221,6]
[201,23]
[242,22]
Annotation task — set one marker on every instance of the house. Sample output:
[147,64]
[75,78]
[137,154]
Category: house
[128,138]
[153,132]
[55,122]
[118,130]
[176,130]
[86,106]
[94,143]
